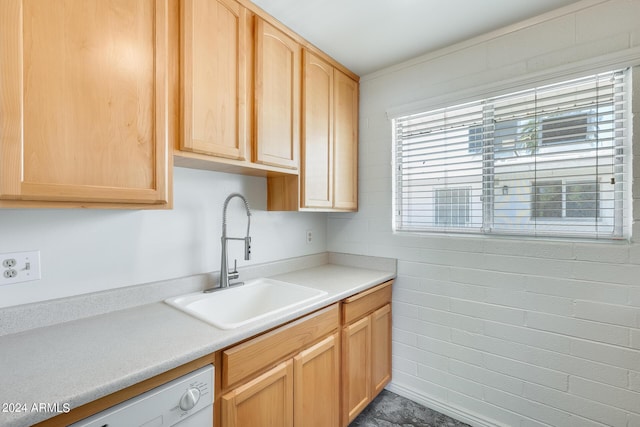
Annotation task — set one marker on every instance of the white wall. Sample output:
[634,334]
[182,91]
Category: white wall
[505,331]
[90,250]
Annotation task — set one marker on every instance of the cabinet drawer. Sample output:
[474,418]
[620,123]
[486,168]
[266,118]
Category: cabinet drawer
[258,353]
[365,302]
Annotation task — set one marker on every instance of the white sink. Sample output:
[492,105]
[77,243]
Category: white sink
[243,304]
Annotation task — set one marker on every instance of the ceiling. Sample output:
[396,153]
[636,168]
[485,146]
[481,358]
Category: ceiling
[368,35]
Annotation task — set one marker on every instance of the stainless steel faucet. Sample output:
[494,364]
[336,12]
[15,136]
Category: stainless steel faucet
[225,274]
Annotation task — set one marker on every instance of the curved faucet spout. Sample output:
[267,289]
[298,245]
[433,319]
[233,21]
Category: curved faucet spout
[225,275]
[224,212]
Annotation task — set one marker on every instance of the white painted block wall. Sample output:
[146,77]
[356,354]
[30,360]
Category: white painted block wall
[505,331]
[91,250]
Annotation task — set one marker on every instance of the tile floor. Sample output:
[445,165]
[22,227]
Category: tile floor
[391,410]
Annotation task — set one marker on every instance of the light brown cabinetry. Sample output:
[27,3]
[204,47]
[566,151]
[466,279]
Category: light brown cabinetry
[277,97]
[329,169]
[216,78]
[87,102]
[240,99]
[316,188]
[381,348]
[289,376]
[243,81]
[366,349]
[299,392]
[331,379]
[356,367]
[345,158]
[264,401]
[316,384]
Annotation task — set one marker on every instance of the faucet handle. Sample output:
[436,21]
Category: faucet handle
[234,274]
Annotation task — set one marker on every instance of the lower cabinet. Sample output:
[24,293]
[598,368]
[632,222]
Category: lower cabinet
[356,367]
[366,349]
[316,384]
[298,392]
[380,348]
[264,401]
[319,371]
[302,389]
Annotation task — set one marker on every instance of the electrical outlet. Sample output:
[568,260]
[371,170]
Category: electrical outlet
[9,262]
[19,267]
[309,236]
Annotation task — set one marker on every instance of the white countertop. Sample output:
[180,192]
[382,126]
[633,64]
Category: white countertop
[83,360]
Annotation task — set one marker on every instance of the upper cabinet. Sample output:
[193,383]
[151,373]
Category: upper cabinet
[277,97]
[216,78]
[345,134]
[329,179]
[258,99]
[99,99]
[317,130]
[240,91]
[86,102]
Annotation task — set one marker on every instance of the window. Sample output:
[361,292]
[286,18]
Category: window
[547,201]
[555,199]
[453,207]
[565,127]
[545,161]
[582,200]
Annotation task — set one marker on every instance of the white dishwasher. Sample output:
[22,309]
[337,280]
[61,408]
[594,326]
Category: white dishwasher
[186,402]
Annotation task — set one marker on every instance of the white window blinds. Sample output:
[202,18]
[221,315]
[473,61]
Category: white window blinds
[546,161]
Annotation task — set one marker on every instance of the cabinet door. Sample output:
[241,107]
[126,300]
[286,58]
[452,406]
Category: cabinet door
[356,366]
[316,385]
[85,100]
[317,133]
[266,401]
[345,142]
[380,348]
[277,97]
[215,77]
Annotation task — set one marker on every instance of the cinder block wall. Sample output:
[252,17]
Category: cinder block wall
[506,331]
